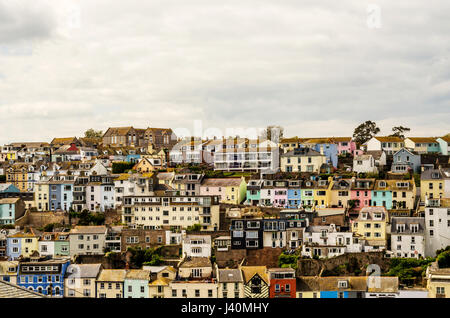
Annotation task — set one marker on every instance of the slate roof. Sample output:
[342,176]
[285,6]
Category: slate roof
[408,221]
[229,276]
[300,152]
[83,270]
[221,182]
[8,290]
[355,283]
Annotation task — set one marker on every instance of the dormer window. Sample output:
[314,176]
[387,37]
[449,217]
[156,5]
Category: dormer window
[382,184]
[414,228]
[342,284]
[435,175]
[401,228]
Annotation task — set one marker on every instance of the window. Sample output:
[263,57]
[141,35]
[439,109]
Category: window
[197,293]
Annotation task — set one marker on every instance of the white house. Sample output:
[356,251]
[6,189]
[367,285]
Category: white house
[389,144]
[197,246]
[364,164]
[408,237]
[325,241]
[437,224]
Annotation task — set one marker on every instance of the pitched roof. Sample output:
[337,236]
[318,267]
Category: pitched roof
[407,221]
[191,262]
[229,276]
[138,274]
[89,229]
[388,138]
[423,139]
[249,271]
[221,182]
[112,275]
[83,270]
[8,290]
[355,283]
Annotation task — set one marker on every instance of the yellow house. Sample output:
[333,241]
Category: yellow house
[302,160]
[432,184]
[145,165]
[322,192]
[230,190]
[438,281]
[29,242]
[41,196]
[340,192]
[17,174]
[110,283]
[161,276]
[166,178]
[8,271]
[371,225]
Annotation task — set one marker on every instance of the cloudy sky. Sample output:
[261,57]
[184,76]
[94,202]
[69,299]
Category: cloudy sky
[318,68]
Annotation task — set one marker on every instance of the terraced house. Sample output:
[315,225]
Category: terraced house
[154,212]
[371,225]
[230,190]
[422,144]
[302,160]
[389,144]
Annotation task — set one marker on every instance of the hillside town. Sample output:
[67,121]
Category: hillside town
[143,213]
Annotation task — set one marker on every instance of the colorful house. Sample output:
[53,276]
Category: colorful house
[294,194]
[302,160]
[325,146]
[361,191]
[444,144]
[340,192]
[136,283]
[22,244]
[382,194]
[371,225]
[230,190]
[43,276]
[254,192]
[406,161]
[11,209]
[41,196]
[422,144]
[432,184]
[322,192]
[61,192]
[110,283]
[280,193]
[282,283]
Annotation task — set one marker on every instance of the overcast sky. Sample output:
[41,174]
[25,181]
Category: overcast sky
[317,68]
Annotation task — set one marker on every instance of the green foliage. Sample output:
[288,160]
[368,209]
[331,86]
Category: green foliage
[122,167]
[91,133]
[417,179]
[399,131]
[365,131]
[194,228]
[408,270]
[49,227]
[444,259]
[442,250]
[288,260]
[87,218]
[2,178]
[147,256]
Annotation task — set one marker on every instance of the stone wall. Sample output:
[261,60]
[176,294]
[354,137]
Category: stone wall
[347,263]
[40,219]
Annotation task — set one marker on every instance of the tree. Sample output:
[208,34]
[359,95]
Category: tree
[399,131]
[365,132]
[273,133]
[91,133]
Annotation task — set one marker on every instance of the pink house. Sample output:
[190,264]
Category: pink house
[280,197]
[346,145]
[361,190]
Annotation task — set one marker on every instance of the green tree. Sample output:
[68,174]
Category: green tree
[365,131]
[91,133]
[122,167]
[444,259]
[399,131]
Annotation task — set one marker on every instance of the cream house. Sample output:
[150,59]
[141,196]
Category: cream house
[80,280]
[302,160]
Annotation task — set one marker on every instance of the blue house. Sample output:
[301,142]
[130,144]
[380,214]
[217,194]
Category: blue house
[326,148]
[13,248]
[294,195]
[405,161]
[61,194]
[43,276]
